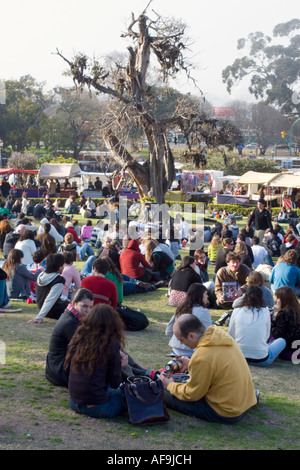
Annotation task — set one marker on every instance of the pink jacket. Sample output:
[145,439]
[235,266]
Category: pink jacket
[71,274]
[86,232]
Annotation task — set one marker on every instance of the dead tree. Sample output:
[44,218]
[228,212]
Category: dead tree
[130,100]
[164,40]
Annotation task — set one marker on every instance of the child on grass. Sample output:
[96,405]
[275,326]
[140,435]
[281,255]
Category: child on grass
[215,244]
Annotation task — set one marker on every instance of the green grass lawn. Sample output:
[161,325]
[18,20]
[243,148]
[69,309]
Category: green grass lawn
[36,415]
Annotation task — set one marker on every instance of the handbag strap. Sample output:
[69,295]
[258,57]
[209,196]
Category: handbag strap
[133,379]
[134,386]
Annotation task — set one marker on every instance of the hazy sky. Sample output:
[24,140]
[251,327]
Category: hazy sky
[32,30]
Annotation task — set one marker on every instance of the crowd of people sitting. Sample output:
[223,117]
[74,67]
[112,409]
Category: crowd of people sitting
[252,266]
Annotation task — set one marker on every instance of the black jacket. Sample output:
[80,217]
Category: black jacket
[10,242]
[183,278]
[38,211]
[62,333]
[262,219]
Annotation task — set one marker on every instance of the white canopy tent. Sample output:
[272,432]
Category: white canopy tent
[287,180]
[59,170]
[253,179]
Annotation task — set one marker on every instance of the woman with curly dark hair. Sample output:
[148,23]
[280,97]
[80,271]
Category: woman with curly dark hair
[94,361]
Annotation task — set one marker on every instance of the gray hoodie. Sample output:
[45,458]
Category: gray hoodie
[55,292]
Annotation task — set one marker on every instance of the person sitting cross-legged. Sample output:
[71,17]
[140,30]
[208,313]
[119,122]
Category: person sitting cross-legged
[219,388]
[250,326]
[229,280]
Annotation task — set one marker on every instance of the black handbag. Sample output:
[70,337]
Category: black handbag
[145,401]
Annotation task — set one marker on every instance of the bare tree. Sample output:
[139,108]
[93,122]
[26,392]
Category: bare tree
[127,86]
[163,39]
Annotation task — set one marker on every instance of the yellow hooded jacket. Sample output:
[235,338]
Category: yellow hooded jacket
[219,372]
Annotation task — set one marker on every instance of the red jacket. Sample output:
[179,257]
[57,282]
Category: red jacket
[131,260]
[74,233]
[104,290]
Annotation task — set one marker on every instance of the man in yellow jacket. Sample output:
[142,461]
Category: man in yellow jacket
[220,387]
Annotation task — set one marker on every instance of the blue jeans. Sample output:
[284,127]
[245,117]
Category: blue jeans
[199,409]
[130,286]
[275,348]
[86,249]
[87,267]
[113,407]
[4,299]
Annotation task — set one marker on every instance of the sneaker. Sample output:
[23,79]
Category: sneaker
[144,285]
[159,284]
[223,318]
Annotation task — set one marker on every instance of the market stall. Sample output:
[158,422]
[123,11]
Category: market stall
[200,182]
[17,190]
[66,173]
[289,184]
[258,185]
[9,171]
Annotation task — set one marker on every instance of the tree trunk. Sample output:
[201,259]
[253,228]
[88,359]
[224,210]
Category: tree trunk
[137,171]
[157,173]
[161,165]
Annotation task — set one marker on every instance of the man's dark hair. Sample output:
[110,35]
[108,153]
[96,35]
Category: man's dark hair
[232,255]
[100,265]
[191,324]
[38,256]
[241,237]
[54,261]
